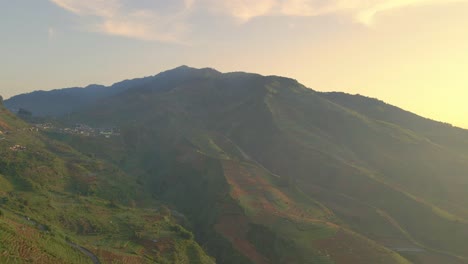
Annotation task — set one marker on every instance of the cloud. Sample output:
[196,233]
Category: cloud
[142,19]
[243,10]
[102,8]
[362,11]
[168,21]
[366,14]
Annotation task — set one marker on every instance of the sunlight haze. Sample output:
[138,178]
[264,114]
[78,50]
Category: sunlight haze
[234,131]
[409,53]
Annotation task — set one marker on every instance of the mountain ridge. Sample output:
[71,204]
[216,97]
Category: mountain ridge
[14,102]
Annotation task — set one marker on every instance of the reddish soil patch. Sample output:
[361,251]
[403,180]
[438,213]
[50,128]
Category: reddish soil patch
[248,183]
[266,202]
[153,218]
[165,245]
[22,246]
[234,228]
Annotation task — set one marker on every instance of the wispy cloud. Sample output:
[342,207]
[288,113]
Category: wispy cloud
[144,20]
[167,21]
[243,10]
[362,11]
[102,8]
[366,14]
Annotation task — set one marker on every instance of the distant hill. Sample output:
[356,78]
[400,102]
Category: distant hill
[64,101]
[269,171]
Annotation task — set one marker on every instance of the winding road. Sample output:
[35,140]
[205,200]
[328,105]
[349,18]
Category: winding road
[85,251]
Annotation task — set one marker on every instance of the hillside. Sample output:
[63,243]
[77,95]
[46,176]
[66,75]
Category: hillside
[269,171]
[60,206]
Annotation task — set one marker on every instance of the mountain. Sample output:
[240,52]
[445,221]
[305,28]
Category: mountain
[60,102]
[269,171]
[58,205]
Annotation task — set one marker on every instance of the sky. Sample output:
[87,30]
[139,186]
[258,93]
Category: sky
[409,53]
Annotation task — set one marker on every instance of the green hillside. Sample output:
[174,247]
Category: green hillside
[60,206]
[235,206]
[266,170]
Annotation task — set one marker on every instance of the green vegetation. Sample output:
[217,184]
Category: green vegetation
[57,202]
[262,169]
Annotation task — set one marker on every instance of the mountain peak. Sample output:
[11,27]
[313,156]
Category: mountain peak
[183,67]
[188,69]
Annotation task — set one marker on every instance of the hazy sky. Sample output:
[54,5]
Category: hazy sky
[410,53]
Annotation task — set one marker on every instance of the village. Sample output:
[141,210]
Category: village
[79,130]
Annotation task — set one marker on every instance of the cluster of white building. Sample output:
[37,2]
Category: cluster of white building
[17,148]
[81,129]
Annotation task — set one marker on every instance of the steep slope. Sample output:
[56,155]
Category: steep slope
[240,212]
[268,171]
[399,175]
[60,206]
[223,116]
[439,133]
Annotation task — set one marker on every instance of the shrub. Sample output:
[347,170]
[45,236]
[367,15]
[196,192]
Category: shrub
[182,232]
[4,200]
[186,234]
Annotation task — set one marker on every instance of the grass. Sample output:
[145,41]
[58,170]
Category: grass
[93,224]
[22,243]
